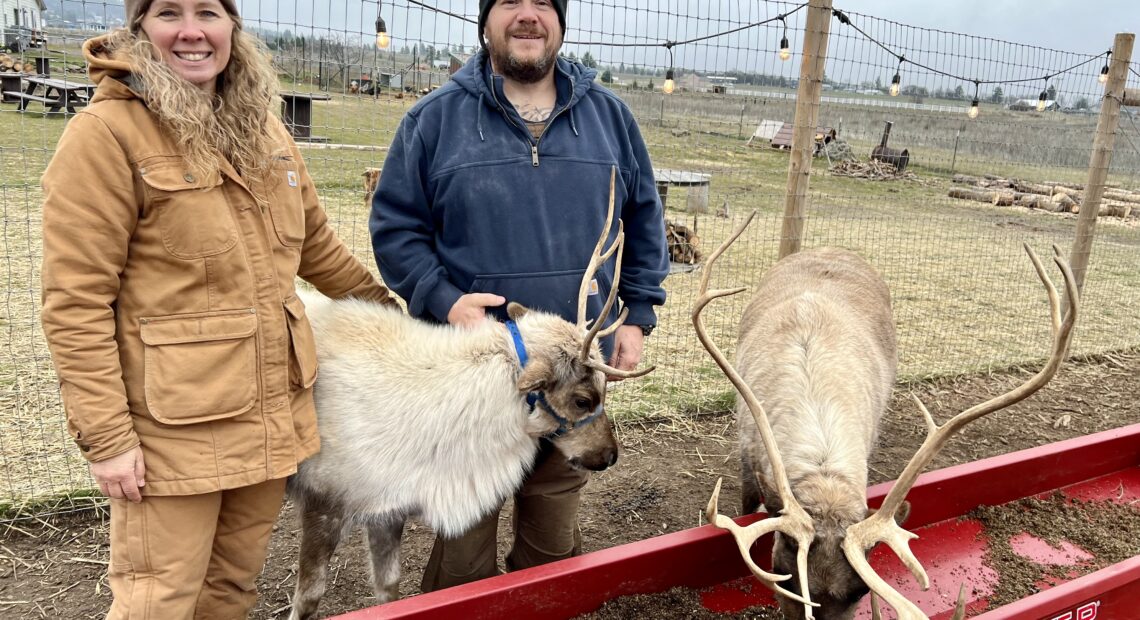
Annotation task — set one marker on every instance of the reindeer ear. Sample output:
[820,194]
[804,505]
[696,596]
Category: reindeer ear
[515,310]
[536,376]
[900,515]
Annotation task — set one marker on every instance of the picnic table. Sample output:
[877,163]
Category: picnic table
[54,94]
[11,83]
[297,113]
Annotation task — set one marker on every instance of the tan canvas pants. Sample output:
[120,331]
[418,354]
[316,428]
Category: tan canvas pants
[545,523]
[191,556]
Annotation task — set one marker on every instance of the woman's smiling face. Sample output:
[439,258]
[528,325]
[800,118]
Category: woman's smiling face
[193,36]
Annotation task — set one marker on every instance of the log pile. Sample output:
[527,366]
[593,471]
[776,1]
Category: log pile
[684,244]
[8,64]
[874,169]
[1049,196]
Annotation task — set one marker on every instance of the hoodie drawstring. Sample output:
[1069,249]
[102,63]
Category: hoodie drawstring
[479,118]
[573,125]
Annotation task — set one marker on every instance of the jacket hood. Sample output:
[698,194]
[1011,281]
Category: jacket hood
[106,70]
[476,78]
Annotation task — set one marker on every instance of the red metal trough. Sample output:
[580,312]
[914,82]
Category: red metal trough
[1102,467]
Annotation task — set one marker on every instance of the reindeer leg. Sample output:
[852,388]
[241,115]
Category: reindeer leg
[384,535]
[322,526]
[751,494]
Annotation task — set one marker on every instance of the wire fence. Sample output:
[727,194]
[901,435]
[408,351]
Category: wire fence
[965,297]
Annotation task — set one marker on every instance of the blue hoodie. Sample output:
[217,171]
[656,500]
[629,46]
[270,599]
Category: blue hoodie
[469,201]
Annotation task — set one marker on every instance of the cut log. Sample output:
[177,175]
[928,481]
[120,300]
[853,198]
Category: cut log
[1072,192]
[683,243]
[1117,209]
[1122,196]
[972,194]
[1110,210]
[965,179]
[1004,199]
[1063,201]
[1033,188]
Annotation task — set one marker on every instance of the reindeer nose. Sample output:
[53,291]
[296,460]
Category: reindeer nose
[611,458]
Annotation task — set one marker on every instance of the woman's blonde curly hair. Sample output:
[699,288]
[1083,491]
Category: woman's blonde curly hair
[231,124]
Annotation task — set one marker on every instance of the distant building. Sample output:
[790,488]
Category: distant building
[692,82]
[26,13]
[456,61]
[1023,105]
[21,24]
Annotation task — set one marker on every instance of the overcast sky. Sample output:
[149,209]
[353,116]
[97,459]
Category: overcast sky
[1073,25]
[910,27]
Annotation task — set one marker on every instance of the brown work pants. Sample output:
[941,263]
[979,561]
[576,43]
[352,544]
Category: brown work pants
[191,556]
[545,526]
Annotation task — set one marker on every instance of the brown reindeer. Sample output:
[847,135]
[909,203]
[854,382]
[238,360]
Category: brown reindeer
[816,346]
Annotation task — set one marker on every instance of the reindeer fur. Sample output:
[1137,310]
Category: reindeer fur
[817,346]
[427,420]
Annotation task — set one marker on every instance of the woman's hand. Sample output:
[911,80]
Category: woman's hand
[121,477]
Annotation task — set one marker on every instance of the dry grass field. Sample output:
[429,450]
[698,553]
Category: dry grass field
[965,296]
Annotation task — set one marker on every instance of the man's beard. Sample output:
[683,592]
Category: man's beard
[520,70]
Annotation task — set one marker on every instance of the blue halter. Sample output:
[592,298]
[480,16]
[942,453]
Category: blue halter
[538,399]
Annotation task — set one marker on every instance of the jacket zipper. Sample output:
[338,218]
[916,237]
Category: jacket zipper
[531,140]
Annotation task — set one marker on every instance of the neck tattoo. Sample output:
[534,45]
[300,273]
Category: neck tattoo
[532,113]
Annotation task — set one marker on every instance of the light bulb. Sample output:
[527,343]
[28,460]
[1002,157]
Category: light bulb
[1041,101]
[974,109]
[669,85]
[382,39]
[785,49]
[895,85]
[1103,77]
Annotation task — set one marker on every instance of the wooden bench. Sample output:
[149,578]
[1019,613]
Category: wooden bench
[56,94]
[23,98]
[10,83]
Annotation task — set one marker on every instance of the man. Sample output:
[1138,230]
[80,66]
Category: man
[496,188]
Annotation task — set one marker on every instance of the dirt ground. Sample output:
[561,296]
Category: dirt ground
[55,568]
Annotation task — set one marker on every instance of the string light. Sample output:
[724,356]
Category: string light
[669,84]
[1103,78]
[785,49]
[897,79]
[382,39]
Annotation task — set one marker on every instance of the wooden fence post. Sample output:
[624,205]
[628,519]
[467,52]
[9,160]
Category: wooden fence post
[803,129]
[1114,95]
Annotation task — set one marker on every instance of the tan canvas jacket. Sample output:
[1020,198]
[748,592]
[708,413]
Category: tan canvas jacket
[169,303]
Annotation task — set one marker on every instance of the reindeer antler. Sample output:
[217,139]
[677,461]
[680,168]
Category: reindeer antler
[597,259]
[793,520]
[881,526]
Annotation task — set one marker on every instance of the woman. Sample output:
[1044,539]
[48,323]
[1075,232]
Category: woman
[177,213]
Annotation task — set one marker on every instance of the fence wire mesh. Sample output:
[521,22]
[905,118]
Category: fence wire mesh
[965,296]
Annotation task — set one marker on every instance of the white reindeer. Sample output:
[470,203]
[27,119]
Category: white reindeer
[815,365]
[441,423]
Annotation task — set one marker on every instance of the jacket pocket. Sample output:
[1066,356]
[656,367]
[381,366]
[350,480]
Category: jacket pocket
[200,367]
[550,291]
[303,361]
[286,208]
[193,213]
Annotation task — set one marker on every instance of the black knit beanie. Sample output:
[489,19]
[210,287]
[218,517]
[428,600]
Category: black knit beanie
[485,8]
